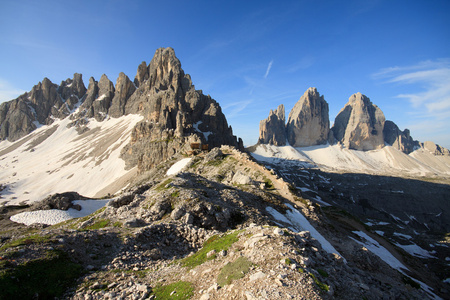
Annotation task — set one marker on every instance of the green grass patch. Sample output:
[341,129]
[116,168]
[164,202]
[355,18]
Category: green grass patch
[31,239]
[268,184]
[233,271]
[163,185]
[117,224]
[217,243]
[322,273]
[175,194]
[178,290]
[320,284]
[97,225]
[288,261]
[45,278]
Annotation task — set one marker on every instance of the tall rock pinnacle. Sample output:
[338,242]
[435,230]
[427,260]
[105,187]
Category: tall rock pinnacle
[175,114]
[359,125]
[308,123]
[273,129]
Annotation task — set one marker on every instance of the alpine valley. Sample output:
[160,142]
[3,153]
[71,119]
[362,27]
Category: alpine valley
[140,190]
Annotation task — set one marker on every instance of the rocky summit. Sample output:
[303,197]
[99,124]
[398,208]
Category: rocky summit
[359,125]
[273,129]
[308,123]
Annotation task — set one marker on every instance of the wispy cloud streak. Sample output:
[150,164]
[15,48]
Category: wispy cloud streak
[430,106]
[234,109]
[268,69]
[433,76]
[8,92]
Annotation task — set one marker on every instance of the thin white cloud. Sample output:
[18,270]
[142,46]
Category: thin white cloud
[430,105]
[268,69]
[234,109]
[8,92]
[433,76]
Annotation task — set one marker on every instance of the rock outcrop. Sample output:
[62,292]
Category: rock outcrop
[401,140]
[308,123]
[359,125]
[45,102]
[175,114]
[273,129]
[434,148]
[124,89]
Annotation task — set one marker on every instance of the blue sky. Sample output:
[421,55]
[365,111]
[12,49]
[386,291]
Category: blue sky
[250,56]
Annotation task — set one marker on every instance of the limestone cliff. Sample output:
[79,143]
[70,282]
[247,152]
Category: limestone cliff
[45,102]
[401,140]
[273,129]
[359,125]
[308,123]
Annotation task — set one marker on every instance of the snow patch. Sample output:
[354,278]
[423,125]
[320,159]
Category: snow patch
[415,250]
[55,216]
[300,223]
[374,247]
[101,97]
[178,166]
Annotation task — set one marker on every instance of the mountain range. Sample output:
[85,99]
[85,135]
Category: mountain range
[358,210]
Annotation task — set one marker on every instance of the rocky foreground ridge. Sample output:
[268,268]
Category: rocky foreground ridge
[225,227]
[175,113]
[360,125]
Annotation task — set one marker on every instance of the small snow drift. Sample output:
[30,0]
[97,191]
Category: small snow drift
[178,166]
[300,223]
[55,216]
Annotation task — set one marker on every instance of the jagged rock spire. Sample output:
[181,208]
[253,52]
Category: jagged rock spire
[308,123]
[273,129]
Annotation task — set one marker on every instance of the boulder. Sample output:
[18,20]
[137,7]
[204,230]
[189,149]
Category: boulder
[359,125]
[273,129]
[308,123]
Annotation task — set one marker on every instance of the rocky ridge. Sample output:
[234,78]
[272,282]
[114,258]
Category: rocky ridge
[208,229]
[360,125]
[175,113]
[45,102]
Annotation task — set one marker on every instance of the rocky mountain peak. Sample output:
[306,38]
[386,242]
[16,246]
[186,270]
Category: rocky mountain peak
[359,125]
[308,123]
[273,129]
[174,112]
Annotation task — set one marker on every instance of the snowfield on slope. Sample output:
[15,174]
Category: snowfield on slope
[386,160]
[55,158]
